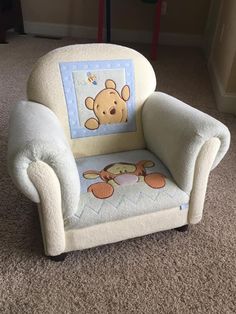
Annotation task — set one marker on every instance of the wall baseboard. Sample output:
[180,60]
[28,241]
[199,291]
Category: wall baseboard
[138,36]
[226,102]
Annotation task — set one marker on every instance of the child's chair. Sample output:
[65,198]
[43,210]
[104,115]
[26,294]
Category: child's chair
[105,156]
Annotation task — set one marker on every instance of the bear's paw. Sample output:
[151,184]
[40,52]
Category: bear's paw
[91,124]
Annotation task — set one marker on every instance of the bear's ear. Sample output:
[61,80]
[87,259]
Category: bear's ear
[110,84]
[125,93]
[89,102]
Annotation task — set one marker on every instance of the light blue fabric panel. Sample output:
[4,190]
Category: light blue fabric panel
[100,162]
[129,200]
[86,79]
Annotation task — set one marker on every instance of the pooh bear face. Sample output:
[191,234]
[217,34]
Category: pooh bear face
[108,106]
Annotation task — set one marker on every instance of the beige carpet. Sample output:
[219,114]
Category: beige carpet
[168,272]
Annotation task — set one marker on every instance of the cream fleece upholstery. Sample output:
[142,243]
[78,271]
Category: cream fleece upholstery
[94,190]
[119,230]
[35,134]
[175,132]
[48,186]
[45,87]
[202,168]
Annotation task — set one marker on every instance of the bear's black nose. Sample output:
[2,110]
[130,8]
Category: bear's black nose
[113,111]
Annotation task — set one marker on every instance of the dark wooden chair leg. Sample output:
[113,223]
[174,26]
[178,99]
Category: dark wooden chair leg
[182,228]
[58,258]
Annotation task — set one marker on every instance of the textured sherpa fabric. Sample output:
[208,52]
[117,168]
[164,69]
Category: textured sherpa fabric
[175,132]
[36,134]
[119,230]
[45,86]
[51,220]
[127,200]
[202,169]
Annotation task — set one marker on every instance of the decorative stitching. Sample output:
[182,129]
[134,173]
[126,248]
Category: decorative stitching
[107,69]
[123,173]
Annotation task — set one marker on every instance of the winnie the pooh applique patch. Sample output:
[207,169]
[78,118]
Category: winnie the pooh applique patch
[109,106]
[100,97]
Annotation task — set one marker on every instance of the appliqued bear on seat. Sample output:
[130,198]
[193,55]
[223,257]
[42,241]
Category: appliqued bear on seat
[108,106]
[122,173]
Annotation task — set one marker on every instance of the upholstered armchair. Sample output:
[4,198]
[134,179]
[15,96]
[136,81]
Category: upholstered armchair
[105,157]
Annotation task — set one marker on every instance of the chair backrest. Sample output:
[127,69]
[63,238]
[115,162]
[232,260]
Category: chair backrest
[97,92]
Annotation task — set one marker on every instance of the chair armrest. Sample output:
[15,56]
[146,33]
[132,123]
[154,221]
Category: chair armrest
[35,134]
[176,132]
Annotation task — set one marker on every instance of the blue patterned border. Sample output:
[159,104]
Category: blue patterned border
[79,131]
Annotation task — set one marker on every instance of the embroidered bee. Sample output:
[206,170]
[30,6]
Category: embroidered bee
[91,78]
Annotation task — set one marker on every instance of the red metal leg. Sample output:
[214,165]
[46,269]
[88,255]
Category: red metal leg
[101,12]
[156,31]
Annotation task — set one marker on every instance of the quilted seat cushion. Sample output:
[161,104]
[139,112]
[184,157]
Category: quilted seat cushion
[121,185]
